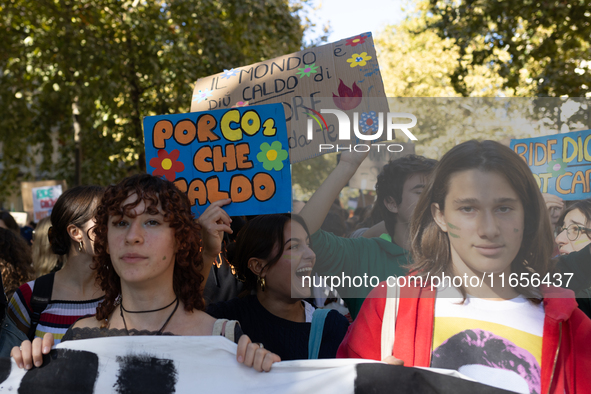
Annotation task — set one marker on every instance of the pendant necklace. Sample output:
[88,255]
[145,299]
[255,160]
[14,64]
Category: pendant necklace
[121,309]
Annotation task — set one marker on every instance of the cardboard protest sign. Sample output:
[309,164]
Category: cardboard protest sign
[346,72]
[26,191]
[561,163]
[229,153]
[44,198]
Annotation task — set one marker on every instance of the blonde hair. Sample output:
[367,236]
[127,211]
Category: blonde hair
[44,260]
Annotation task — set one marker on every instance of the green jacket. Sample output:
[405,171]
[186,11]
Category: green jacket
[356,257]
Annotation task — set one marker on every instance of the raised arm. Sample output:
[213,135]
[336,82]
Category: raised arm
[214,221]
[319,204]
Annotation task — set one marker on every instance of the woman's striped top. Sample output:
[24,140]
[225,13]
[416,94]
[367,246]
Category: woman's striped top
[56,318]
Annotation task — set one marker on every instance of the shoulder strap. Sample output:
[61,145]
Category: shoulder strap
[389,320]
[39,300]
[3,300]
[227,328]
[316,331]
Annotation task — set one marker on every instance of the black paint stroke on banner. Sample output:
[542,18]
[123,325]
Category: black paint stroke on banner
[383,378]
[63,371]
[144,374]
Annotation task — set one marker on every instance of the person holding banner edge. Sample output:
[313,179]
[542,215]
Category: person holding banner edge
[481,212]
[147,248]
[382,257]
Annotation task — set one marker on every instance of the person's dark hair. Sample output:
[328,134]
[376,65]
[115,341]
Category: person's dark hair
[15,260]
[583,205]
[177,213]
[9,221]
[430,245]
[75,206]
[334,223]
[391,182]
[260,238]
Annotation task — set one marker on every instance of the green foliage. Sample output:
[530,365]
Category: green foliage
[455,49]
[543,45]
[118,60]
[307,176]
[416,62]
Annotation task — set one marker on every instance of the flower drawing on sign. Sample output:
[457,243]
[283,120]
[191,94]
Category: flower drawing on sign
[369,121]
[166,164]
[556,168]
[229,73]
[202,95]
[348,98]
[359,59]
[272,156]
[354,41]
[240,104]
[308,70]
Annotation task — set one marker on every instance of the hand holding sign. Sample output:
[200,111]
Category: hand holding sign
[214,222]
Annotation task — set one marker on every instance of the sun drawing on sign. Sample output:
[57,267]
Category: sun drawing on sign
[166,164]
[308,70]
[272,156]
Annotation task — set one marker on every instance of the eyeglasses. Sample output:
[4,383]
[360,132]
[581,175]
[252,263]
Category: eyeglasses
[573,231]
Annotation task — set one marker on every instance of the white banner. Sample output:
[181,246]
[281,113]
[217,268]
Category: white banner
[174,364]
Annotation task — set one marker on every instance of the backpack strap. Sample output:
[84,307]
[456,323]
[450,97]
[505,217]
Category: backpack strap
[227,328]
[3,301]
[389,321]
[318,319]
[39,300]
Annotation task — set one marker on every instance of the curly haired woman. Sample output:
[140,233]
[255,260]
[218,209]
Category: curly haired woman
[149,264]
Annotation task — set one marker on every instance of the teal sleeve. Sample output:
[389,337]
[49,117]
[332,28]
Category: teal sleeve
[357,256]
[359,263]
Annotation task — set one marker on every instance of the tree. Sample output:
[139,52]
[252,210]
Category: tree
[114,62]
[542,45]
[308,175]
[416,62]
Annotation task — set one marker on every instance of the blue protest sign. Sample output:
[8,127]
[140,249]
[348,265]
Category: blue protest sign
[561,163]
[238,153]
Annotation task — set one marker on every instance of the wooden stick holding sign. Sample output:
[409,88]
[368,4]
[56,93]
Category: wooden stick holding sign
[238,153]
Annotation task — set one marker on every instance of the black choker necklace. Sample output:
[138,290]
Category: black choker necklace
[153,310]
[121,309]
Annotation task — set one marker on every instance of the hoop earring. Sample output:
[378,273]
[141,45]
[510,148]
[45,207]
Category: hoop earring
[81,246]
[262,283]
